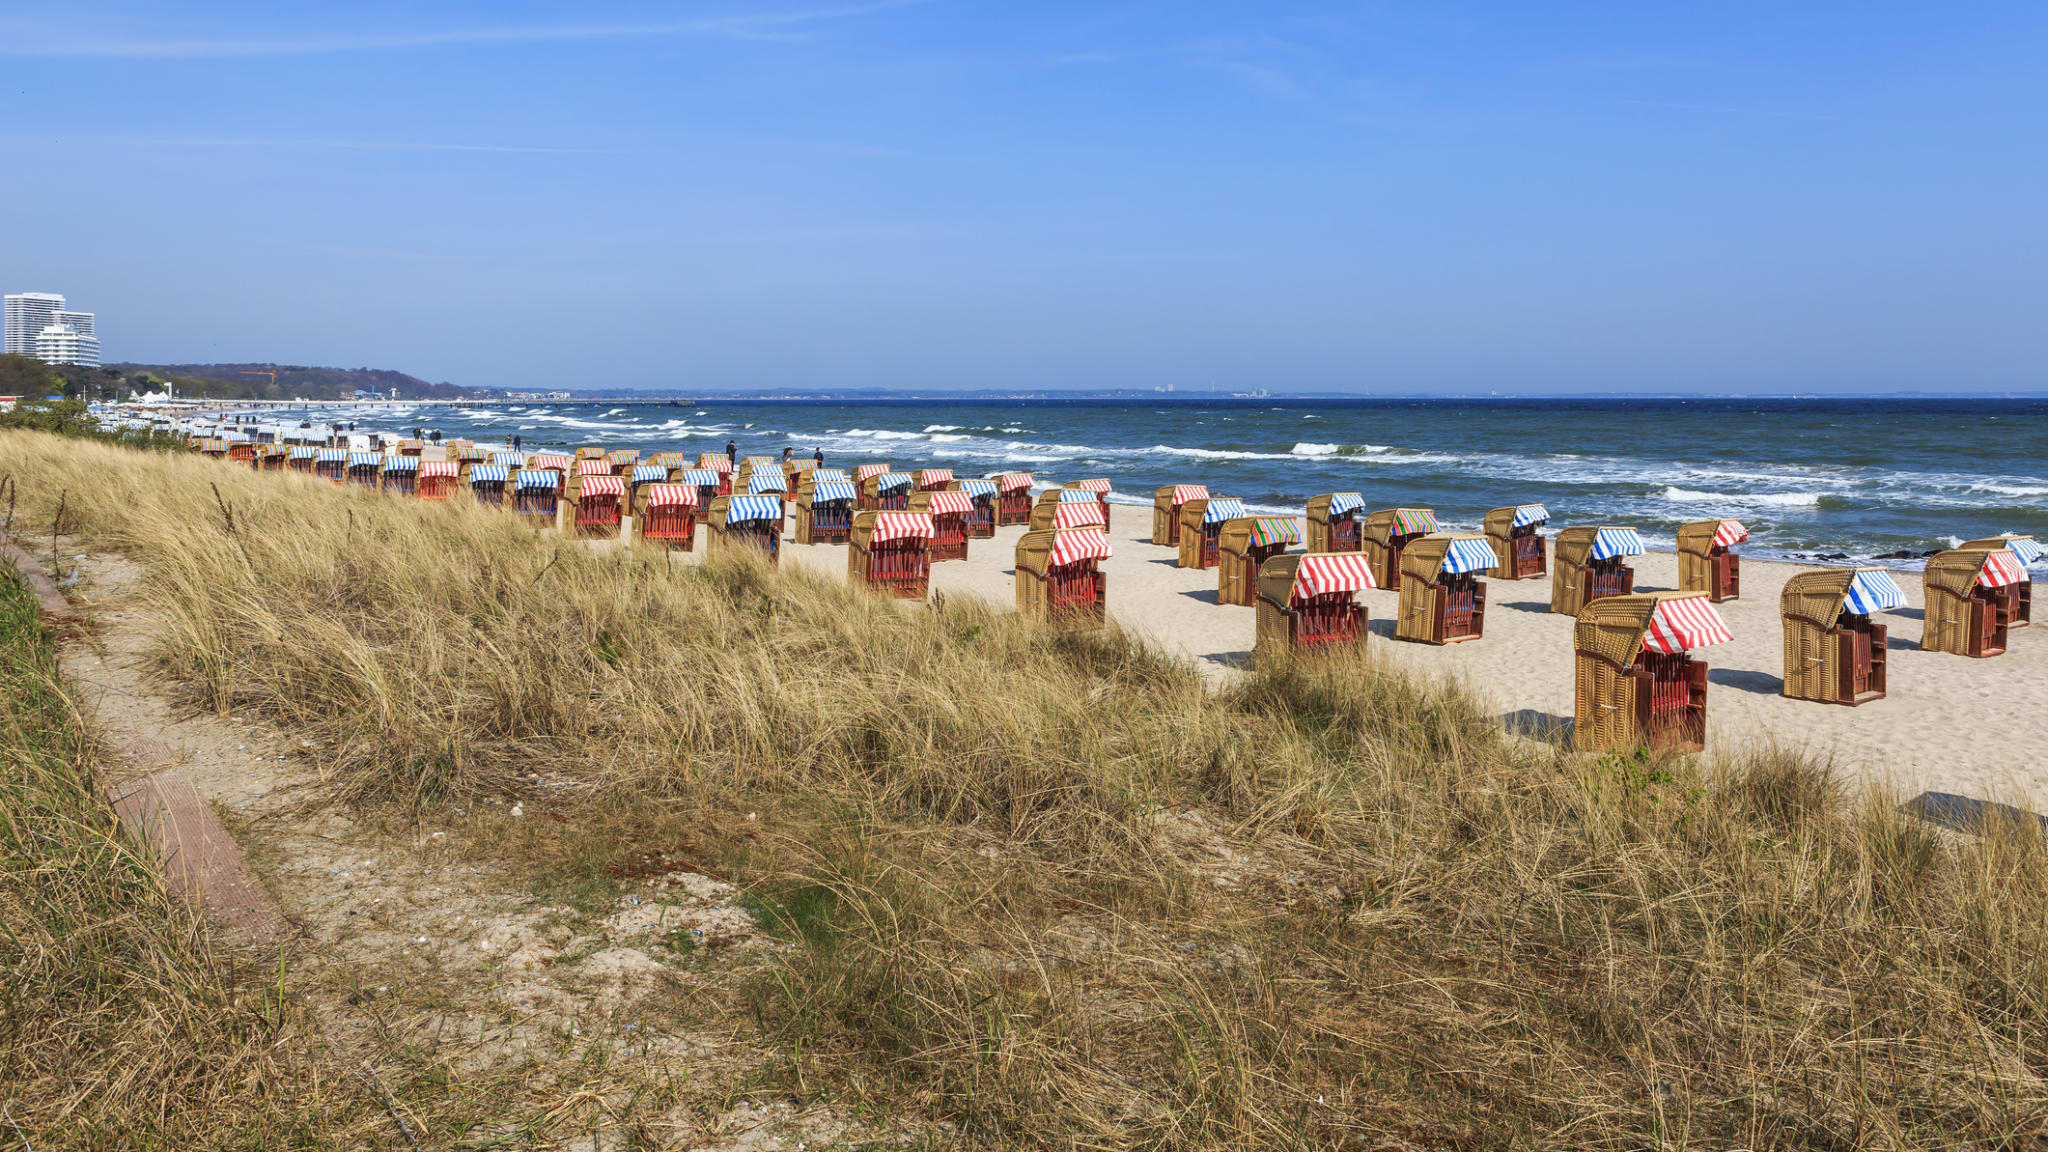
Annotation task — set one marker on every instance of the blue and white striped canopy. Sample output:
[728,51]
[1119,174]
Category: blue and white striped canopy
[892,480]
[702,478]
[1469,554]
[1613,542]
[823,474]
[978,487]
[489,474]
[1873,590]
[508,459]
[2027,549]
[402,464]
[332,455]
[1529,514]
[1222,508]
[1342,502]
[643,473]
[359,459]
[833,490]
[759,482]
[753,508]
[539,478]
[303,453]
[1078,496]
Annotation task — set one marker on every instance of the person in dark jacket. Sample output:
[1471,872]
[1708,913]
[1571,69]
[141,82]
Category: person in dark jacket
[732,451]
[818,457]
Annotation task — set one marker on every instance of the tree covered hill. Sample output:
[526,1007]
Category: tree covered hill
[253,382]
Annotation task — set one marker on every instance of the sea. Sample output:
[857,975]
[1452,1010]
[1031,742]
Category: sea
[1815,480]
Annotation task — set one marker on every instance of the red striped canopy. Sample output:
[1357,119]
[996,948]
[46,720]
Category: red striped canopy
[934,476]
[602,486]
[1074,547]
[902,526]
[593,467]
[438,468]
[1321,574]
[1096,486]
[1684,622]
[1730,533]
[716,461]
[546,461]
[1012,481]
[1182,493]
[662,495]
[948,502]
[866,470]
[2001,569]
[1084,515]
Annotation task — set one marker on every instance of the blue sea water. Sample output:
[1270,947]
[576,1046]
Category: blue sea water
[1840,480]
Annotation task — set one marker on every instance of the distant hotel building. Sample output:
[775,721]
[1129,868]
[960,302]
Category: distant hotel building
[37,324]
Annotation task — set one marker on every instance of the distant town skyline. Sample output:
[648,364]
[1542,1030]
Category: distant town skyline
[1401,198]
[38,324]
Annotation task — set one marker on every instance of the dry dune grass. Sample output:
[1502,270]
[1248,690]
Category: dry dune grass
[1050,890]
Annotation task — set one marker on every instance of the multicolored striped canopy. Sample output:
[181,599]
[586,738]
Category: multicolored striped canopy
[761,461]
[1414,521]
[1343,502]
[538,478]
[759,482]
[401,463]
[2001,569]
[902,526]
[1267,531]
[669,495]
[1088,515]
[1730,533]
[622,455]
[489,474]
[1683,623]
[1078,545]
[1182,493]
[1873,590]
[654,473]
[365,459]
[716,461]
[1012,481]
[978,488]
[666,459]
[472,454]
[1468,554]
[703,477]
[826,491]
[753,508]
[929,476]
[1527,514]
[600,486]
[431,468]
[947,503]
[1322,574]
[1611,543]
[1221,508]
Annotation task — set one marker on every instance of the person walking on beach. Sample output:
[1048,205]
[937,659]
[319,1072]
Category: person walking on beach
[788,455]
[818,457]
[515,443]
[732,451]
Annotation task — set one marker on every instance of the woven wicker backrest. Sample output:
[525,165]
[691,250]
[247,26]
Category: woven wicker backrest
[921,501]
[716,514]
[1049,496]
[1954,571]
[1816,595]
[1613,627]
[1575,544]
[1319,510]
[1500,521]
[1276,578]
[1990,543]
[1423,558]
[1236,536]
[1034,549]
[1697,537]
[863,533]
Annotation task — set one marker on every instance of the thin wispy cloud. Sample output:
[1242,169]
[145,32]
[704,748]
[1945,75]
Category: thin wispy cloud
[750,26]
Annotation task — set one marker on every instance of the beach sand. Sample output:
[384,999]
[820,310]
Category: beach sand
[1948,724]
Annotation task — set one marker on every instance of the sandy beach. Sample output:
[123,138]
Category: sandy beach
[1949,723]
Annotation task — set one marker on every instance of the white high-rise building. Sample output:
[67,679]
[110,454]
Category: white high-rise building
[81,322]
[63,344]
[26,315]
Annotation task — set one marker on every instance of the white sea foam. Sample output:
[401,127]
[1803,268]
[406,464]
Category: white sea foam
[942,427]
[1769,499]
[1306,449]
[2019,490]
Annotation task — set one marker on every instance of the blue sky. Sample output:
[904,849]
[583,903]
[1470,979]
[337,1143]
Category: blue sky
[1370,197]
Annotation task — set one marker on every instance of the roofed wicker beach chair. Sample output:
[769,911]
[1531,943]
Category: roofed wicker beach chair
[720,463]
[885,492]
[438,479]
[555,462]
[670,460]
[491,484]
[589,452]
[887,551]
[1592,563]
[1059,576]
[753,523]
[2020,593]
[400,474]
[645,475]
[331,464]
[1201,527]
[365,469]
[665,515]
[1834,652]
[1333,521]
[1705,563]
[796,468]
[301,458]
[981,519]
[1385,533]
[1166,504]
[933,479]
[597,504]
[272,457]
[1973,595]
[241,450]
[1442,599]
[536,496]
[1637,684]
[765,481]
[1101,490]
[1013,498]
[949,510]
[414,449]
[1517,539]
[622,460]
[1242,547]
[1310,601]
[1066,508]
[824,508]
[709,483]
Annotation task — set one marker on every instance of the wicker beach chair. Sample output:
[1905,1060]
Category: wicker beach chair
[1705,563]
[981,519]
[887,551]
[949,510]
[749,522]
[1013,498]
[1201,527]
[665,515]
[301,458]
[1101,490]
[721,464]
[644,475]
[490,484]
[1333,522]
[1591,564]
[1636,683]
[1067,508]
[824,510]
[596,504]
[438,479]
[1310,601]
[1443,601]
[1517,539]
[1242,547]
[2019,594]
[885,492]
[1059,579]
[1971,601]
[272,458]
[933,479]
[537,497]
[1384,533]
[400,474]
[1166,505]
[622,460]
[365,469]
[1834,652]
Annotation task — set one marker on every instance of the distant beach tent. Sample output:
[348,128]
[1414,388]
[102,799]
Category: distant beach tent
[1442,599]
[1310,601]
[536,495]
[489,483]
[1591,564]
[1517,540]
[1013,497]
[885,492]
[888,553]
[1834,652]
[666,515]
[753,523]
[1333,521]
[1101,490]
[2020,593]
[1059,576]
[933,479]
[949,510]
[1385,533]
[438,479]
[365,469]
[1201,526]
[1166,504]
[1242,547]
[824,509]
[598,505]
[981,520]
[1637,684]
[400,474]
[1973,596]
[302,458]
[1067,508]
[1705,563]
[643,477]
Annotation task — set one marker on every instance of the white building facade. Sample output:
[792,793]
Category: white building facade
[24,315]
[63,344]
